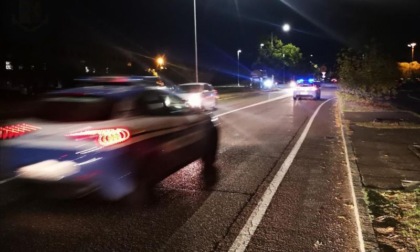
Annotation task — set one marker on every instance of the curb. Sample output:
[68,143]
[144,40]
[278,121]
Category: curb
[369,242]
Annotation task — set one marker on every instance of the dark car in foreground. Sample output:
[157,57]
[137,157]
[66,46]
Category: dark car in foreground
[110,139]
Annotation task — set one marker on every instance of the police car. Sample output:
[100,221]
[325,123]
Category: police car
[306,88]
[107,139]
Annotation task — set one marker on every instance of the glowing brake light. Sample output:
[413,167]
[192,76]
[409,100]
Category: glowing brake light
[16,130]
[104,137]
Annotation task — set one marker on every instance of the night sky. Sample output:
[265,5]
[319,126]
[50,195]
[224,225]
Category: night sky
[319,27]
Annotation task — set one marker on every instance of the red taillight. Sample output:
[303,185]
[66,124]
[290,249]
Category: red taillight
[104,137]
[16,130]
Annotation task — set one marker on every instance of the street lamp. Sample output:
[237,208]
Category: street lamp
[160,61]
[412,45]
[238,52]
[286,28]
[261,45]
[195,38]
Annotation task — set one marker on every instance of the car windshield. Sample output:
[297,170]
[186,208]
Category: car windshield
[190,88]
[74,108]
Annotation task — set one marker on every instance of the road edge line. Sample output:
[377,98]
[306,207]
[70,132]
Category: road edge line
[365,232]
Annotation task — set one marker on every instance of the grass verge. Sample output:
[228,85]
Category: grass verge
[395,213]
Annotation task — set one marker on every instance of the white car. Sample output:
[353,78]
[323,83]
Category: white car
[110,140]
[307,89]
[198,95]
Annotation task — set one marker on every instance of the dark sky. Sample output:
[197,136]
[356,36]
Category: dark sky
[319,27]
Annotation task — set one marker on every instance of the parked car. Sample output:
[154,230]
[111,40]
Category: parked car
[106,139]
[198,95]
[307,89]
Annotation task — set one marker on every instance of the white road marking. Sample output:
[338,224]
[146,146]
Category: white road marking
[244,237]
[413,97]
[353,193]
[253,105]
[7,180]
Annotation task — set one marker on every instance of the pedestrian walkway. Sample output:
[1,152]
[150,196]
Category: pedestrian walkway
[386,146]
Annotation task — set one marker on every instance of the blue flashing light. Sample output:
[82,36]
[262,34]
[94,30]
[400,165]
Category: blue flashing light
[311,80]
[300,81]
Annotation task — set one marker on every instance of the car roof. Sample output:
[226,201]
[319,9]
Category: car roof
[110,91]
[130,79]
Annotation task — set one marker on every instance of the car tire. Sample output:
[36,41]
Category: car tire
[294,98]
[210,148]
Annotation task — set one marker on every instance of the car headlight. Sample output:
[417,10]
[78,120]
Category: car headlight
[268,83]
[293,84]
[195,100]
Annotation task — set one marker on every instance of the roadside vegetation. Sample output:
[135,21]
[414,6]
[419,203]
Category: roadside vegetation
[395,213]
[368,73]
[369,80]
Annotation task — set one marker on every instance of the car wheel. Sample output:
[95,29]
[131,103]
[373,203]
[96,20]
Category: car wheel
[294,98]
[210,149]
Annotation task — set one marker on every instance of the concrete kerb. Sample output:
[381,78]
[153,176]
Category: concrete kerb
[368,234]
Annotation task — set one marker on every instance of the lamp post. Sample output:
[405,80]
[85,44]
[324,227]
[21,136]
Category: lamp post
[238,52]
[412,45]
[195,39]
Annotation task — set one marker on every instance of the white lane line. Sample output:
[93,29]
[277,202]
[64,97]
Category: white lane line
[353,193]
[7,180]
[413,97]
[242,240]
[253,105]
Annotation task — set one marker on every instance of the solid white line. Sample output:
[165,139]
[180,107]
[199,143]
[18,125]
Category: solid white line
[244,237]
[413,97]
[253,105]
[353,194]
[7,180]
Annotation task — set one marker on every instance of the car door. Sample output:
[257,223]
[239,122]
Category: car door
[169,133]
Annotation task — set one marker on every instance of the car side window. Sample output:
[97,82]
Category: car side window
[159,103]
[174,105]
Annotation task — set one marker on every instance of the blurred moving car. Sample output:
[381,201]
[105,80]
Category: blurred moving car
[198,95]
[307,89]
[106,139]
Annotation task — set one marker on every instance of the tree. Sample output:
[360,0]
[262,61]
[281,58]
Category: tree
[367,71]
[275,55]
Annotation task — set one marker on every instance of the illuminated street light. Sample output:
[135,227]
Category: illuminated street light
[412,45]
[238,52]
[286,27]
[160,62]
[261,45]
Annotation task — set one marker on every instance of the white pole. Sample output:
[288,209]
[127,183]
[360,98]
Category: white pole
[195,38]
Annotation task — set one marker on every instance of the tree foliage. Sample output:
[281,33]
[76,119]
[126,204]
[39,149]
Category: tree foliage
[276,55]
[367,71]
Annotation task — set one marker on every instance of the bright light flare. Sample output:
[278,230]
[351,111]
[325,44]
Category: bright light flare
[286,27]
[268,83]
[195,100]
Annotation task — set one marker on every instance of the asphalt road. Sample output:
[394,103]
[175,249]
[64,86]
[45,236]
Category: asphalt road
[311,210]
